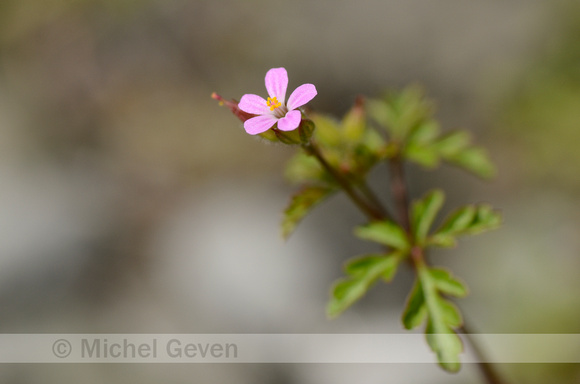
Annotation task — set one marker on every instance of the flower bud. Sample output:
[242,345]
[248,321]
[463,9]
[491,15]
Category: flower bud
[233,106]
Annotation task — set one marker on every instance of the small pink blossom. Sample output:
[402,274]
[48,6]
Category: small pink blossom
[275,109]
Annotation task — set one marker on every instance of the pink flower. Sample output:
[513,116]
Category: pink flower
[275,109]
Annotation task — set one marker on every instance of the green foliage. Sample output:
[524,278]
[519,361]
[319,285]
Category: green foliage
[341,154]
[300,204]
[348,146]
[399,113]
[303,168]
[427,303]
[362,273]
[467,220]
[407,117]
[386,233]
[423,214]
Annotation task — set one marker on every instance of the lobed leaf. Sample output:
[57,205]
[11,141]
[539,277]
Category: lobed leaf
[363,273]
[384,232]
[452,143]
[475,160]
[422,154]
[446,344]
[373,265]
[426,303]
[423,214]
[300,204]
[303,168]
[469,219]
[446,283]
[415,311]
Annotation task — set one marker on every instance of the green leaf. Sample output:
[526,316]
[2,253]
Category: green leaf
[423,214]
[415,311]
[300,204]
[452,143]
[459,220]
[485,219]
[426,302]
[384,232]
[446,344]
[327,130]
[399,113]
[380,112]
[304,168]
[475,160]
[466,220]
[424,133]
[354,122]
[422,154]
[374,265]
[363,273]
[344,294]
[446,283]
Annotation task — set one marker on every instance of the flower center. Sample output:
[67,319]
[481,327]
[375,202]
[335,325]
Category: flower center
[273,103]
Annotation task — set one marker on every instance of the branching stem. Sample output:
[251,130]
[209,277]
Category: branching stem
[401,197]
[372,207]
[372,210]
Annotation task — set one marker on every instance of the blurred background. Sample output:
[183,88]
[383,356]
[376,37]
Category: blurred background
[130,202]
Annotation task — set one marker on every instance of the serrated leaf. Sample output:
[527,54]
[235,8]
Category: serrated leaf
[300,204]
[422,154]
[443,240]
[485,219]
[384,232]
[415,311]
[465,220]
[380,112]
[442,315]
[384,266]
[459,220]
[364,272]
[303,168]
[449,312]
[475,160]
[374,142]
[424,212]
[344,294]
[424,133]
[452,143]
[446,283]
[399,113]
[446,344]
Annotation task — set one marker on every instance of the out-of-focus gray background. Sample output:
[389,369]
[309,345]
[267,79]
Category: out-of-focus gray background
[130,202]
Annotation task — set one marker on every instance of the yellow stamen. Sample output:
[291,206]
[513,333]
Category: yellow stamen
[273,103]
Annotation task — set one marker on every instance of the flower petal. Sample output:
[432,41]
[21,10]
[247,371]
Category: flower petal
[301,95]
[254,104]
[290,122]
[259,124]
[277,83]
